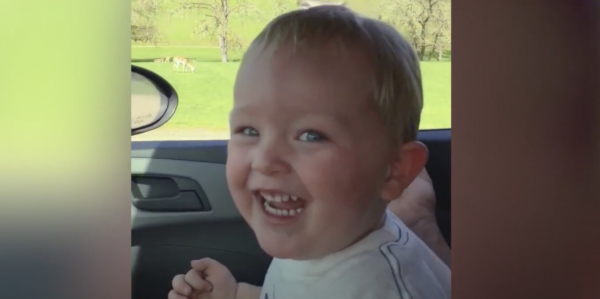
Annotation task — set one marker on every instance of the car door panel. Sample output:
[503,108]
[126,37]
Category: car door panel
[164,243]
[156,265]
[209,176]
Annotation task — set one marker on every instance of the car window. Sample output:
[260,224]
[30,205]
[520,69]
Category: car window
[197,45]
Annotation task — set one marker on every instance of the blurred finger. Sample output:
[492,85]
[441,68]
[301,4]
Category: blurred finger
[180,286]
[195,280]
[174,295]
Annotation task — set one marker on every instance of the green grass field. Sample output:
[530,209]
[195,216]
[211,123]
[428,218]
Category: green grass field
[206,95]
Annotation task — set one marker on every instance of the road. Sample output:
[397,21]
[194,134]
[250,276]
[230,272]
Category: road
[164,134]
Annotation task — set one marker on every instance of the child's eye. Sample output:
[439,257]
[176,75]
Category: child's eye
[311,136]
[248,131]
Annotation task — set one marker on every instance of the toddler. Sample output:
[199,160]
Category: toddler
[327,105]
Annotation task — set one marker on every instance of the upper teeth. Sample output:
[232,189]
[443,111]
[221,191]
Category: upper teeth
[278,197]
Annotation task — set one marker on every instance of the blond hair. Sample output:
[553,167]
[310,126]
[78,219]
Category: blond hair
[398,90]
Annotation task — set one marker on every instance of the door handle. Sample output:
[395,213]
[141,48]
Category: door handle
[167,194]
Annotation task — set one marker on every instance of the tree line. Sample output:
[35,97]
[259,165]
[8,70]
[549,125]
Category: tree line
[425,23]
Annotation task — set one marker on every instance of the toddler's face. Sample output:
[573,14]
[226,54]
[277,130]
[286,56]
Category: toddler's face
[308,153]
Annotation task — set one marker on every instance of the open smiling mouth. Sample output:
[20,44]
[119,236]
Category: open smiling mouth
[281,205]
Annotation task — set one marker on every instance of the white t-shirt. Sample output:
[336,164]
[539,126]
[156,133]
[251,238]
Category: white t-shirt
[390,263]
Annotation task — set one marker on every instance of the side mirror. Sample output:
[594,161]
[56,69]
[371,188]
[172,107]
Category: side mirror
[153,100]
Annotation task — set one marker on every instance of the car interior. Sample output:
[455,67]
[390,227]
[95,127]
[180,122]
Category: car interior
[181,209]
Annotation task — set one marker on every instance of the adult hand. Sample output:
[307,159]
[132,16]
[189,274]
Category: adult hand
[416,208]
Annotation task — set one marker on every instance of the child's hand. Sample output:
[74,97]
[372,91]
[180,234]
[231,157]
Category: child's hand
[208,279]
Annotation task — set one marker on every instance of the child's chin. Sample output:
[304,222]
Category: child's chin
[278,249]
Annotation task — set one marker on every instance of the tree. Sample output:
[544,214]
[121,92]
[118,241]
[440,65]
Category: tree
[214,16]
[283,6]
[417,18]
[304,4]
[441,31]
[143,21]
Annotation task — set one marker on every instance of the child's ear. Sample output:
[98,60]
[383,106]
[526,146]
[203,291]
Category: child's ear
[409,161]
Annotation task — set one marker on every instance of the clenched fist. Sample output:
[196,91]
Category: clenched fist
[208,279]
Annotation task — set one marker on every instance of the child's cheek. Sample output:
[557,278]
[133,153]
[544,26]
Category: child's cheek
[330,173]
[237,169]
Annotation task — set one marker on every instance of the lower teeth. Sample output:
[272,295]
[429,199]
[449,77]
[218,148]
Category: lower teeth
[279,212]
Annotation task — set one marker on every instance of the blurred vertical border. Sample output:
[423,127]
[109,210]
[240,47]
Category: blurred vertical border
[525,149]
[64,149]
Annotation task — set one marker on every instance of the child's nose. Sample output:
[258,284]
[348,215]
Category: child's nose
[269,160]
